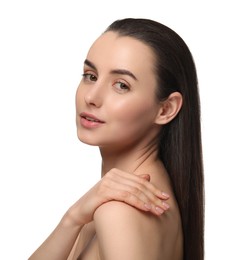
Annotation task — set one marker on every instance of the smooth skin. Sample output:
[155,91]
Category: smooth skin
[124,216]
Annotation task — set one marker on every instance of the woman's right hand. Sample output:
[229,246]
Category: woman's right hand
[118,185]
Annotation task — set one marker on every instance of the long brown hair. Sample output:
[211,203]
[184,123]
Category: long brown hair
[180,143]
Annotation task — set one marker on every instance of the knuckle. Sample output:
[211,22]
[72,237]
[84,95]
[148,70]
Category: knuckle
[123,194]
[112,173]
[109,176]
[136,202]
[134,190]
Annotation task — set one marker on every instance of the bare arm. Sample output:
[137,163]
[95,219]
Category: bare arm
[114,186]
[128,234]
[60,242]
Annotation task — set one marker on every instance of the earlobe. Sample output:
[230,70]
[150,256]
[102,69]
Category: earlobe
[169,108]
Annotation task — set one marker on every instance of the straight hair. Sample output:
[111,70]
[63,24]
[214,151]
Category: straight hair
[180,146]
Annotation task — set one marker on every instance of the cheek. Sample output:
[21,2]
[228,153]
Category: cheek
[78,98]
[136,112]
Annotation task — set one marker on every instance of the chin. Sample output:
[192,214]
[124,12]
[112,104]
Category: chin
[86,140]
[88,143]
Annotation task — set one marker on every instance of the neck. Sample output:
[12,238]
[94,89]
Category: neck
[130,160]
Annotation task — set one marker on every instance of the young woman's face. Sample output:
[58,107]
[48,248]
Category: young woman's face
[115,101]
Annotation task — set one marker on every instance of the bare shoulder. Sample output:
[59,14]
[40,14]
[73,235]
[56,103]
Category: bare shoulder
[125,232]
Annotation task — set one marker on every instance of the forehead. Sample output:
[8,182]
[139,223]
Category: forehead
[122,52]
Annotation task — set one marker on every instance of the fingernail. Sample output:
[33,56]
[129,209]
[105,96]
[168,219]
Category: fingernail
[159,210]
[165,194]
[147,206]
[166,205]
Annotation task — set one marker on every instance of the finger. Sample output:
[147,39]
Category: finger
[145,190]
[120,191]
[125,189]
[154,200]
[157,192]
[136,202]
[140,187]
[138,178]
[139,197]
[155,196]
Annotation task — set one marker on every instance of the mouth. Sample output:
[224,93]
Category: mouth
[90,118]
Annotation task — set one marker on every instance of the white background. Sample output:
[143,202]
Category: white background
[43,166]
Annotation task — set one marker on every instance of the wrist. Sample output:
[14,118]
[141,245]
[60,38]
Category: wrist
[70,219]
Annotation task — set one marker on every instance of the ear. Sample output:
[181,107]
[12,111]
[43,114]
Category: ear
[169,108]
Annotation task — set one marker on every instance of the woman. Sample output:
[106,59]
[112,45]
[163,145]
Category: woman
[138,101]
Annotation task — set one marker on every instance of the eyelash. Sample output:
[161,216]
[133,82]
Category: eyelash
[88,77]
[120,83]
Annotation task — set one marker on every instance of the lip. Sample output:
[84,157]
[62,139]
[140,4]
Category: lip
[90,121]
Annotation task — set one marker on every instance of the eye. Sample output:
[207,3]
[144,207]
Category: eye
[89,77]
[121,86]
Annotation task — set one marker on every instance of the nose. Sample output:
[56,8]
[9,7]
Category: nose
[93,96]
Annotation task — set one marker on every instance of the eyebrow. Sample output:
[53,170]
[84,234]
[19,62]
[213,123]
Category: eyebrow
[90,64]
[115,71]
